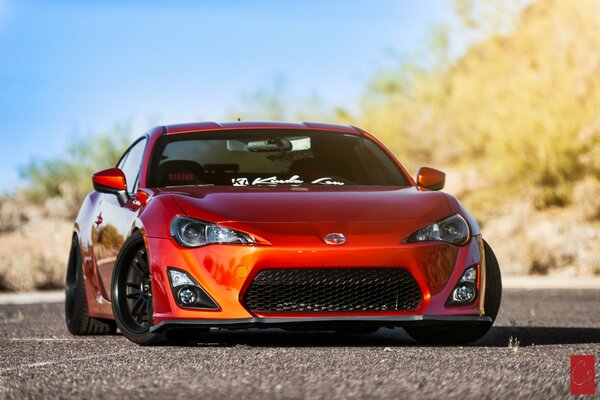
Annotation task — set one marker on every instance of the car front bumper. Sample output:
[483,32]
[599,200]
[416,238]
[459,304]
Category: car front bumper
[321,322]
[226,271]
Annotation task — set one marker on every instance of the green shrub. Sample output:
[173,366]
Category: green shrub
[83,157]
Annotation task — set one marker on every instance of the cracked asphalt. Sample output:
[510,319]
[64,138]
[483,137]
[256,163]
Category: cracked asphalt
[40,359]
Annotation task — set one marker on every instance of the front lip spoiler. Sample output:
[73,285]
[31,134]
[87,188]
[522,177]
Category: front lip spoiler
[316,322]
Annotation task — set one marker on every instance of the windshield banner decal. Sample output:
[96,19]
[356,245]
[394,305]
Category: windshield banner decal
[273,180]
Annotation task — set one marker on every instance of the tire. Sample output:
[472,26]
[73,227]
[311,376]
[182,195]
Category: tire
[493,282]
[76,309]
[461,333]
[131,294]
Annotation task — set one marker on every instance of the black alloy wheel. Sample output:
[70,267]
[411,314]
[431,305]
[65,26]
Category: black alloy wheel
[131,293]
[137,310]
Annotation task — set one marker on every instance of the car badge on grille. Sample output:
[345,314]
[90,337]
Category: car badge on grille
[335,238]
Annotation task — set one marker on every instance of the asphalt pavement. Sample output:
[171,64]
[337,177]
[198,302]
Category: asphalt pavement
[526,355]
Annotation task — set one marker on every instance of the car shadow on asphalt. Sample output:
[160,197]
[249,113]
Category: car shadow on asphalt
[538,335]
[496,337]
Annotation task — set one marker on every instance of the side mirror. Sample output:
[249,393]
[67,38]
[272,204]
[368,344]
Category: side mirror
[111,181]
[431,178]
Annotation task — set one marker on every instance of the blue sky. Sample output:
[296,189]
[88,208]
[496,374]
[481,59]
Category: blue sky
[72,68]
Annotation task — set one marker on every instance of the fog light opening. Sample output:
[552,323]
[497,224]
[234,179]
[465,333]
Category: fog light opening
[187,293]
[187,296]
[466,290]
[464,294]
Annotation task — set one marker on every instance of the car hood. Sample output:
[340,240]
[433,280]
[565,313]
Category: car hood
[310,204]
[303,216]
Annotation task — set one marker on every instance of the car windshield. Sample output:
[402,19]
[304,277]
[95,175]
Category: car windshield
[271,157]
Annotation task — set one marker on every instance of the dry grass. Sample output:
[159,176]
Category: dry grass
[34,253]
[513,344]
[528,240]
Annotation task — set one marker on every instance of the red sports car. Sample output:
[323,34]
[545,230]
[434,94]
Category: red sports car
[290,225]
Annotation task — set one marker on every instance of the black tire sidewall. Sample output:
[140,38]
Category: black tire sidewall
[493,283]
[76,312]
[71,283]
[128,251]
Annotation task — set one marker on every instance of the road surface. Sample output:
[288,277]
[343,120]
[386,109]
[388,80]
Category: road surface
[40,359]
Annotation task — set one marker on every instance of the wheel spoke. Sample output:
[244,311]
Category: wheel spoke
[136,292]
[149,310]
[137,307]
[138,267]
[144,265]
[139,318]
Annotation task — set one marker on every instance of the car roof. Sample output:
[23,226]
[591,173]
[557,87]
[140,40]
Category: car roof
[214,126]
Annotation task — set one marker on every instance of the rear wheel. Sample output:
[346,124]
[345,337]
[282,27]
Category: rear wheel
[76,310]
[467,333]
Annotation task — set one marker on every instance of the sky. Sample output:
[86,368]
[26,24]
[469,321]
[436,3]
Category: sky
[74,68]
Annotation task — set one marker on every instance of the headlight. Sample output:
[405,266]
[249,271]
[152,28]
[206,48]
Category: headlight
[453,230]
[191,232]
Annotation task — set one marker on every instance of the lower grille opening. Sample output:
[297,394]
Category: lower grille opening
[333,290]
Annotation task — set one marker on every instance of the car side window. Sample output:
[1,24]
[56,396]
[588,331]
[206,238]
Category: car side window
[131,162]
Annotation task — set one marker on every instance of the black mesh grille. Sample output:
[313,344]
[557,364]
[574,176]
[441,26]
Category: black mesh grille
[333,290]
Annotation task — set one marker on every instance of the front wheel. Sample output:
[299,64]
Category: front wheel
[467,333]
[132,293]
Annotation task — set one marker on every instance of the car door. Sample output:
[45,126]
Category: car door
[114,220]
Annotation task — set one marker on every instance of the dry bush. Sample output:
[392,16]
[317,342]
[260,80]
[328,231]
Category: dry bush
[65,205]
[12,214]
[34,257]
[586,198]
[521,104]
[530,241]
